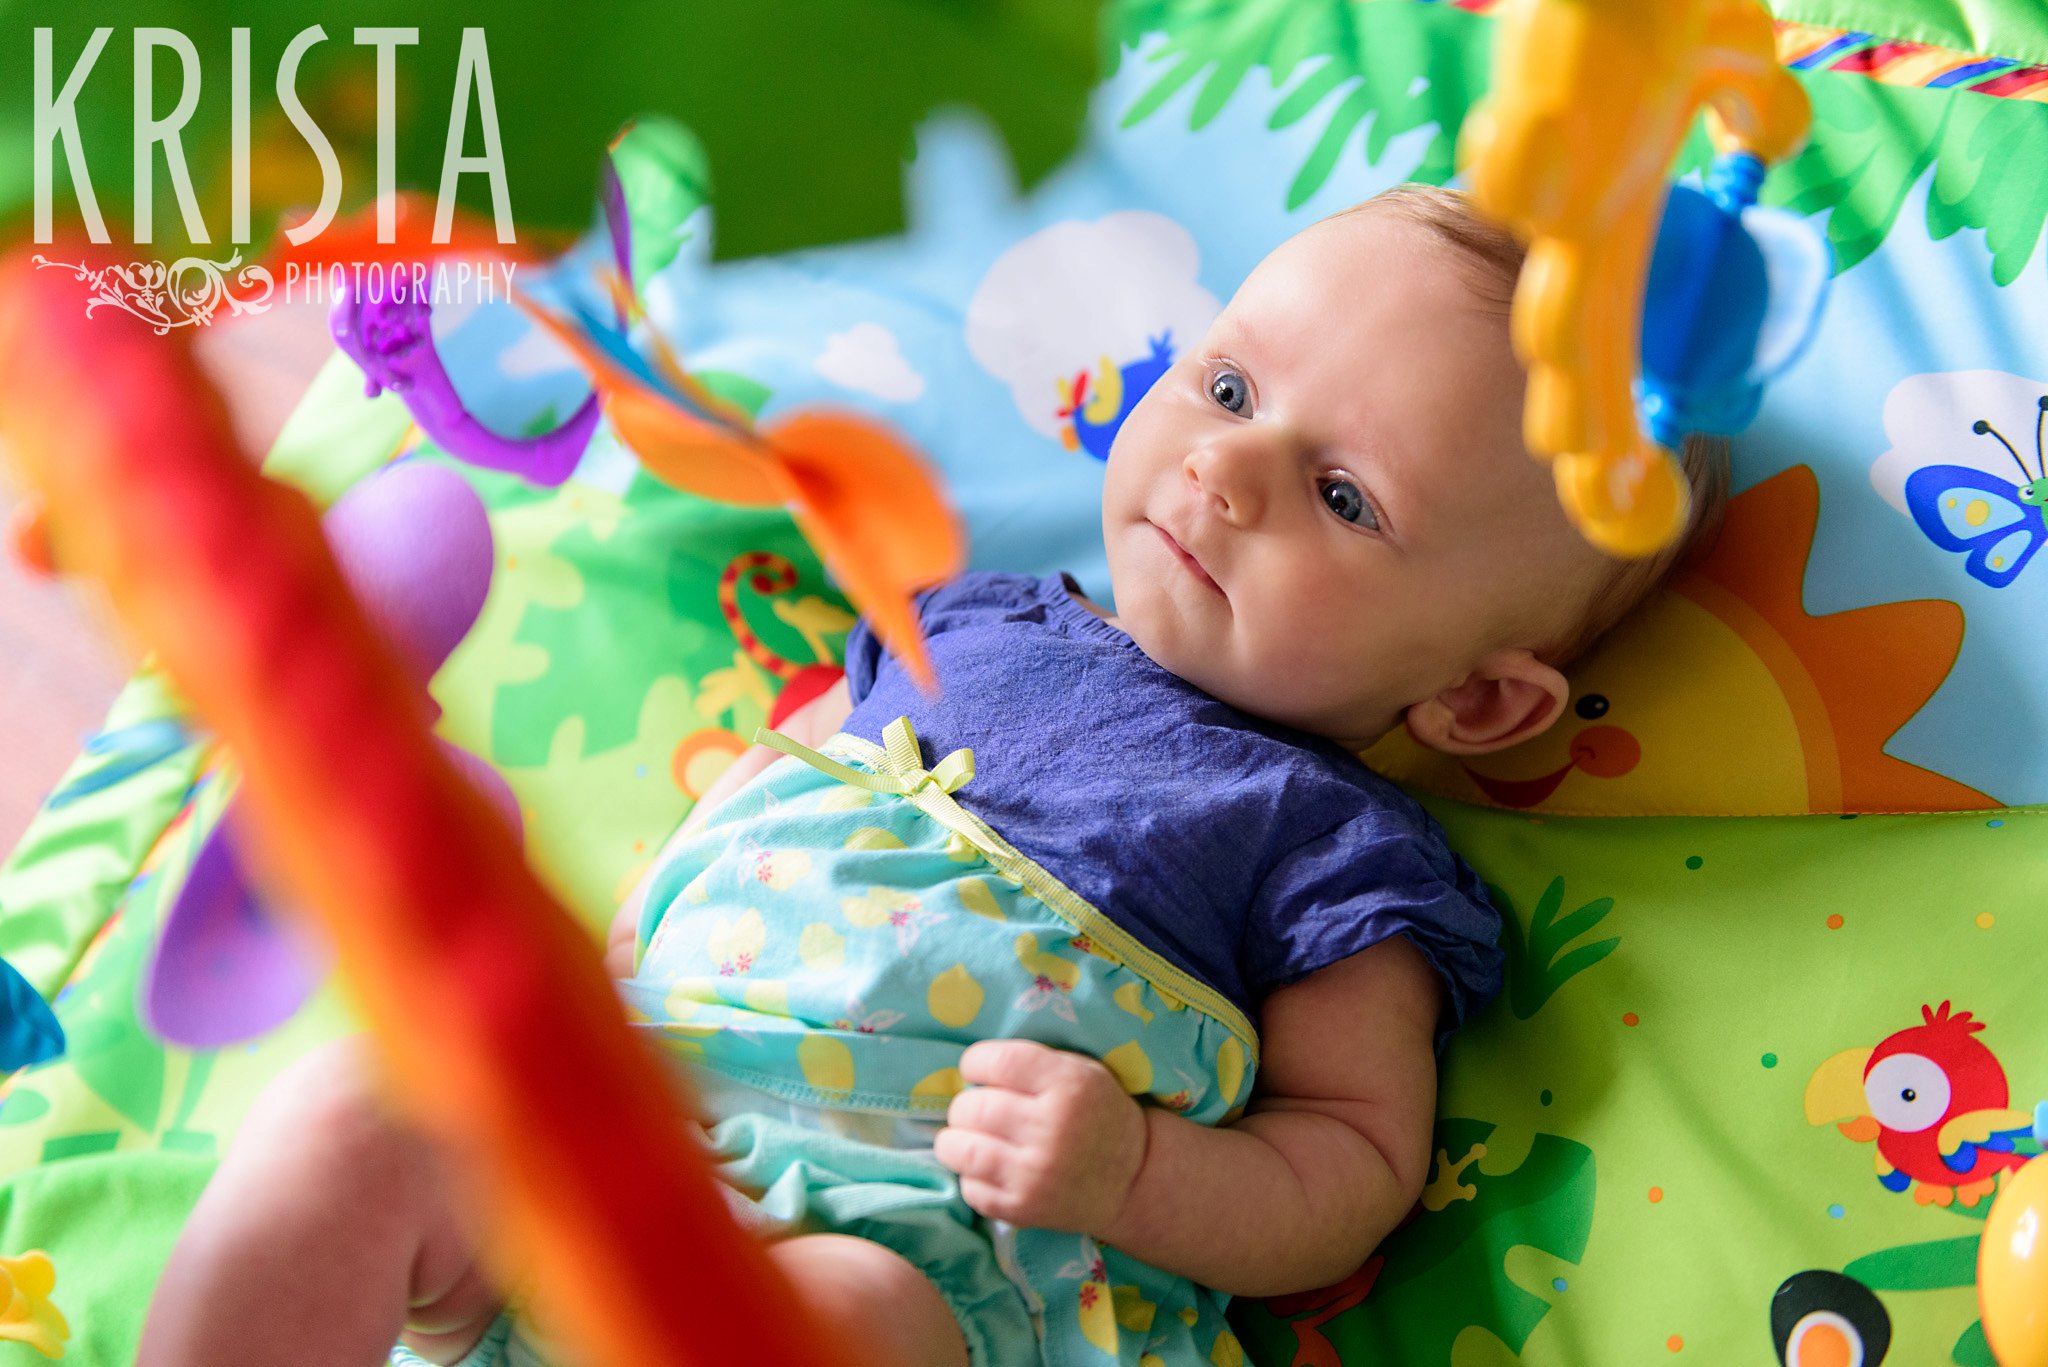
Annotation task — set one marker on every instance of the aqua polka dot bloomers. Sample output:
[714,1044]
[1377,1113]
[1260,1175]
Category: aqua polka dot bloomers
[823,949]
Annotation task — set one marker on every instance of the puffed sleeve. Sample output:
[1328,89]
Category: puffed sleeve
[1387,871]
[966,600]
[865,650]
[863,658]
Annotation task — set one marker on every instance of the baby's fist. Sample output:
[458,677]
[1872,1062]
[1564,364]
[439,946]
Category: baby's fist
[1045,1138]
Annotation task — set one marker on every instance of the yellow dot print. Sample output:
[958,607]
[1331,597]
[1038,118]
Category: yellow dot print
[875,906]
[733,945]
[955,997]
[827,1064]
[1133,1311]
[1132,1068]
[821,947]
[975,896]
[769,998]
[1098,1318]
[1230,1068]
[947,1082]
[1061,973]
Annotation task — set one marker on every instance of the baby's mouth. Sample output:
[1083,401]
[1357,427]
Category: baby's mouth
[1186,558]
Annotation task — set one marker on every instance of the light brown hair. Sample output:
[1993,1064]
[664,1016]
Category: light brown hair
[1495,256]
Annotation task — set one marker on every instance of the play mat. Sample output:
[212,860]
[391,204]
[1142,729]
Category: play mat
[1794,815]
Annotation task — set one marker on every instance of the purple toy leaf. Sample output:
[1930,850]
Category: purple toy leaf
[414,543]
[223,970]
[226,970]
[393,341]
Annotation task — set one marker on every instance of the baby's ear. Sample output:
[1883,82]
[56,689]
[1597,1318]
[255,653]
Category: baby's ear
[1508,697]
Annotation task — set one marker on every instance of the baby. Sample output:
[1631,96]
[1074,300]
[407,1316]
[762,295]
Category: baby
[1034,1021]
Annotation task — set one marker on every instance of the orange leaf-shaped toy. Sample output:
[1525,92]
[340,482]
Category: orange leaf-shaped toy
[856,490]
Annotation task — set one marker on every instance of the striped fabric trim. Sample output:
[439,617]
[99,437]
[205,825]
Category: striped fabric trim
[1810,47]
[1813,47]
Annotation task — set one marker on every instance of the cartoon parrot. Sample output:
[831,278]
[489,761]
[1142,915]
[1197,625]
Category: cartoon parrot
[1934,1099]
[1094,419]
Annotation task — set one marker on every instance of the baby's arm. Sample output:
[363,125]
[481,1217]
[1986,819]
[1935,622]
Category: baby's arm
[813,723]
[1329,1157]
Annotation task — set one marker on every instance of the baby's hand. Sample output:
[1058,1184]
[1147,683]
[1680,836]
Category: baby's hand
[1045,1138]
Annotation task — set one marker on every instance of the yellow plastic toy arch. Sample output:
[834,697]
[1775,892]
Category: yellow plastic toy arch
[1590,101]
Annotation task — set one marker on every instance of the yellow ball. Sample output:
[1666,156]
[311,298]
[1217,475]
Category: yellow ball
[2012,1270]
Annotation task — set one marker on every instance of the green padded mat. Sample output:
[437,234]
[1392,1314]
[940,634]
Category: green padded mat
[1636,1148]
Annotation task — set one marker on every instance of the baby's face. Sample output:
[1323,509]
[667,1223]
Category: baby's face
[1324,513]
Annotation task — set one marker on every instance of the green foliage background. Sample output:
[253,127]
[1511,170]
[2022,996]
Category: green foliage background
[803,106]
[802,109]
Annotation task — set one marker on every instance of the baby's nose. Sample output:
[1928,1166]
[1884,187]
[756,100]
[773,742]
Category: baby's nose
[1231,475]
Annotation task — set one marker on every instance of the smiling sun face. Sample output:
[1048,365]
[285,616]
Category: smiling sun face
[1724,696]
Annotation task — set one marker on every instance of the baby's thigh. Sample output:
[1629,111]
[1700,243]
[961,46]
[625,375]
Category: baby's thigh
[865,1294]
[323,1133]
[323,1107]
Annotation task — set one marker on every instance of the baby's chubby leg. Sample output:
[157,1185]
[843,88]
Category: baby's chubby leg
[329,1228]
[873,1299]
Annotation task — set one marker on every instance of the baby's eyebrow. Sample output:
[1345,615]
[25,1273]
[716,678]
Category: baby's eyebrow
[1238,327]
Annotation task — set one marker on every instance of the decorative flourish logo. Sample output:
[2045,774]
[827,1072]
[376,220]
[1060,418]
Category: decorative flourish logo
[189,290]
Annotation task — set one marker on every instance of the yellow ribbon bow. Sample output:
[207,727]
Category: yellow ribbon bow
[929,790]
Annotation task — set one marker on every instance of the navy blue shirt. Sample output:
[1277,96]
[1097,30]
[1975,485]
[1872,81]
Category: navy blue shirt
[1246,852]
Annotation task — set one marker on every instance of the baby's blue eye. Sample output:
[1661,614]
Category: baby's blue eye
[1230,390]
[1347,502]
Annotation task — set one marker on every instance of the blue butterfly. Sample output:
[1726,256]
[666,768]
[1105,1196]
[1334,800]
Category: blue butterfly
[1998,522]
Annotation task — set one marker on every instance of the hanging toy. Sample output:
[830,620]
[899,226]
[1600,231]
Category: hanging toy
[1733,297]
[414,545]
[1583,176]
[858,492]
[390,336]
[29,1032]
[491,1014]
[28,1314]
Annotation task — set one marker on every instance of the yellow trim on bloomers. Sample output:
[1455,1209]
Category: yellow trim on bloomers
[899,769]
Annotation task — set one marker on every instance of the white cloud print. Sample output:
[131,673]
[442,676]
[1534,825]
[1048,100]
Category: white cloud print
[1076,293]
[1932,420]
[866,359]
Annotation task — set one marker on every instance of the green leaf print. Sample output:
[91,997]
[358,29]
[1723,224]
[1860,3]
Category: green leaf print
[804,144]
[665,176]
[1390,68]
[1973,1349]
[1933,1266]
[1444,1272]
[1974,186]
[601,641]
[1536,968]
[1872,143]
